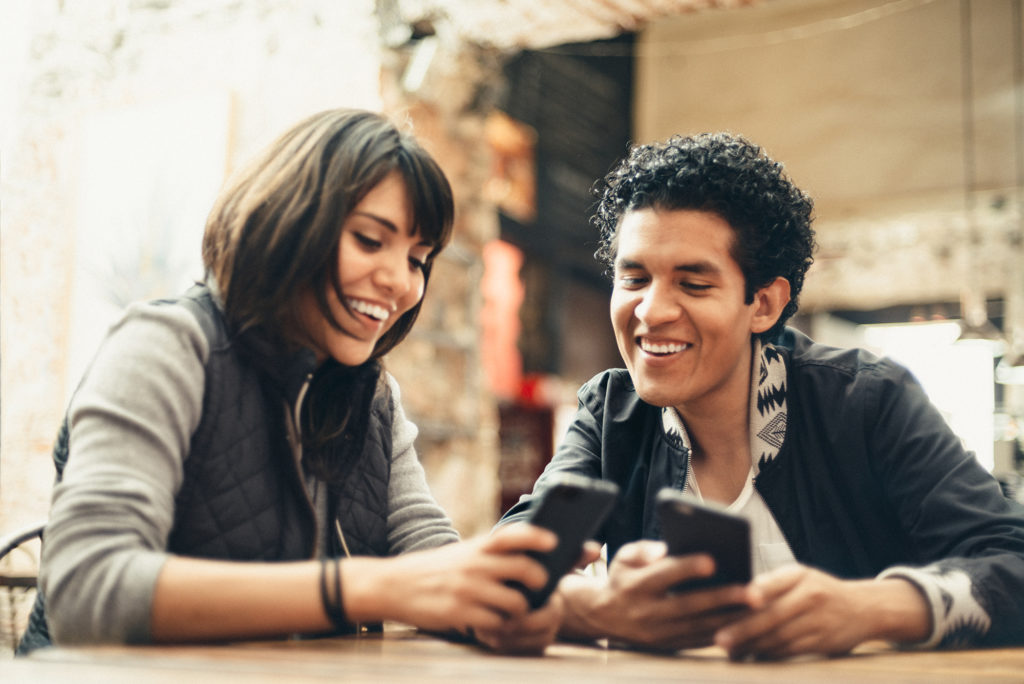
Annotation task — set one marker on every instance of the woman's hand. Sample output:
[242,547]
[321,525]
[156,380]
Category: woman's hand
[533,632]
[807,611]
[461,586]
[526,634]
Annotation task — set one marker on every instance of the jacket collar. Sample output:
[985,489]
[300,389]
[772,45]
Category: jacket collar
[767,414]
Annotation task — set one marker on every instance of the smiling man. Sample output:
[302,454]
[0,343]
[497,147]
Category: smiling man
[868,518]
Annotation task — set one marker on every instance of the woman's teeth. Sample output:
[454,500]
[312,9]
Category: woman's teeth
[371,310]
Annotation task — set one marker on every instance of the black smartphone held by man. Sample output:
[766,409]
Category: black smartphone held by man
[574,508]
[692,526]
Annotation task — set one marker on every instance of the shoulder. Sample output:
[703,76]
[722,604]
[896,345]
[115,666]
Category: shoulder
[804,355]
[172,329]
[845,378]
[611,395]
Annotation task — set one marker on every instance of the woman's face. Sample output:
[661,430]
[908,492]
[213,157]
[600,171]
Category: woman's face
[380,268]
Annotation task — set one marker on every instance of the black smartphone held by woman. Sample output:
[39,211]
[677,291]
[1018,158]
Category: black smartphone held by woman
[692,526]
[574,508]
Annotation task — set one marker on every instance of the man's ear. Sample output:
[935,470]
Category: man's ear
[769,302]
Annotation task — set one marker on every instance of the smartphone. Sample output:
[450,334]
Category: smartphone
[692,526]
[574,507]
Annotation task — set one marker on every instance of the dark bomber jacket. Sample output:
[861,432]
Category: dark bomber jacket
[869,477]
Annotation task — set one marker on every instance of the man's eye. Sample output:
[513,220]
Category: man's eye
[631,281]
[695,287]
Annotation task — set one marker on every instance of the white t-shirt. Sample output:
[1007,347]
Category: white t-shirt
[769,549]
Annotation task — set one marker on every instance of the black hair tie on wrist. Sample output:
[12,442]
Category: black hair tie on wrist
[333,607]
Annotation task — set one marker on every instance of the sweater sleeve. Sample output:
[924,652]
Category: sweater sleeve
[130,424]
[415,519]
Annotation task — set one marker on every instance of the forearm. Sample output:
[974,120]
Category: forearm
[199,600]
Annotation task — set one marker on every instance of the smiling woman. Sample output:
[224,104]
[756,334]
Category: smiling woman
[228,446]
[381,262]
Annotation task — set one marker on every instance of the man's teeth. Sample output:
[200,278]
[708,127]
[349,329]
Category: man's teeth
[371,310]
[664,348]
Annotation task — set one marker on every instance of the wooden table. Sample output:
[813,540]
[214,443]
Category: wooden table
[401,654]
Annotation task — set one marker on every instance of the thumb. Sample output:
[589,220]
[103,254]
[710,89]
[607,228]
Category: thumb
[640,553]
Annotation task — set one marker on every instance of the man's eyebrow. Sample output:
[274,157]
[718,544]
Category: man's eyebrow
[699,267]
[389,225]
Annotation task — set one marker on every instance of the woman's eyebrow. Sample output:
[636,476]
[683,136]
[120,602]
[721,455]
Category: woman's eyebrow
[379,219]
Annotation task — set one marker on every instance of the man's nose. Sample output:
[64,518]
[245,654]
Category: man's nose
[659,305]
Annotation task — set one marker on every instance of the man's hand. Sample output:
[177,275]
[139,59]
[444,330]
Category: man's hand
[635,605]
[807,611]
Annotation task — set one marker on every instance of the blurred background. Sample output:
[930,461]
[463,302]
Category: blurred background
[904,119]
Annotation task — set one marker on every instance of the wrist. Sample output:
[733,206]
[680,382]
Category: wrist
[364,599]
[900,612]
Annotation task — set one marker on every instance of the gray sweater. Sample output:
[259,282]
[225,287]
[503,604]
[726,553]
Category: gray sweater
[131,421]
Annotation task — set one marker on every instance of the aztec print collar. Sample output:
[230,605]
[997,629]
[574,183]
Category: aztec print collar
[767,409]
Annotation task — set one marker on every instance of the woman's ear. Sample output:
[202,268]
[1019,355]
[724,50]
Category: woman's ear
[769,302]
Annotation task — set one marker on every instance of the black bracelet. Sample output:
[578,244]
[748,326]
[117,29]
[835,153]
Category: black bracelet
[334,608]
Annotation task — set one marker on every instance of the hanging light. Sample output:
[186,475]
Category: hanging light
[1010,370]
[975,326]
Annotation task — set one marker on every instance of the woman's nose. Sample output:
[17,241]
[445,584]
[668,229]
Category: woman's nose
[393,274]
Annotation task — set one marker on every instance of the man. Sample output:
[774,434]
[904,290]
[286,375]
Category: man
[869,520]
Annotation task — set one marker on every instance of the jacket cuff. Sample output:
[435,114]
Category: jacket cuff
[957,617]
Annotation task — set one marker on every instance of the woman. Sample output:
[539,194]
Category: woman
[250,420]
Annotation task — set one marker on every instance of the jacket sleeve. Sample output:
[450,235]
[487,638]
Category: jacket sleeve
[968,535]
[415,520]
[579,452]
[130,421]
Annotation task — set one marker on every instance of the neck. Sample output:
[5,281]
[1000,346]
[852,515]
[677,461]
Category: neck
[719,433]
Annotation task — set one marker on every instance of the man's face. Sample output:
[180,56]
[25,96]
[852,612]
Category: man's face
[677,308]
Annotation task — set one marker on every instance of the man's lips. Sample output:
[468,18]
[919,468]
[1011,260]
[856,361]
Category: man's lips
[661,347]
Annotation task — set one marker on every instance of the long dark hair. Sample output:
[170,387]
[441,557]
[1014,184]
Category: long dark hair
[274,233]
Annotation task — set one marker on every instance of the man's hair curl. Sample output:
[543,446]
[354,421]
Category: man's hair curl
[730,176]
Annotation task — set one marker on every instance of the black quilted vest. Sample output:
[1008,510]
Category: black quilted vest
[243,496]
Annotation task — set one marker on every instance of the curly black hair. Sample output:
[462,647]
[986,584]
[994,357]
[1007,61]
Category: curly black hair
[730,176]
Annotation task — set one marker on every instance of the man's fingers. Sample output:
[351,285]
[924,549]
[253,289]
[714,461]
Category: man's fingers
[780,581]
[591,552]
[641,553]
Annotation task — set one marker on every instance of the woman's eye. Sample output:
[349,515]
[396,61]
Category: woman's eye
[417,264]
[367,241]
